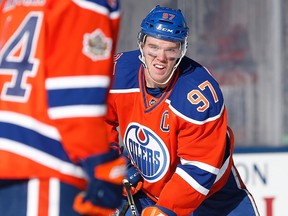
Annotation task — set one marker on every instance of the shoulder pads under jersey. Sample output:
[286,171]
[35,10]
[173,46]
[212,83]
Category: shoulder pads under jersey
[197,95]
[126,67]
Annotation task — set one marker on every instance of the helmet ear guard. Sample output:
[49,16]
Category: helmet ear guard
[141,37]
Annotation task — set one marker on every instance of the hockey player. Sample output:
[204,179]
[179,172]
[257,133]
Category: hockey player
[56,60]
[171,116]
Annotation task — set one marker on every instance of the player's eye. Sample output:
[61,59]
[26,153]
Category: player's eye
[154,48]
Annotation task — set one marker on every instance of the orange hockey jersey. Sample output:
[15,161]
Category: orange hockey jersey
[180,142]
[55,69]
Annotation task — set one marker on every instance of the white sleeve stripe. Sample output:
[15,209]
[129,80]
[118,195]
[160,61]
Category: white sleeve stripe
[97,8]
[236,177]
[201,165]
[33,197]
[42,158]
[191,181]
[54,197]
[115,15]
[77,111]
[30,123]
[77,82]
[124,90]
[223,169]
[193,120]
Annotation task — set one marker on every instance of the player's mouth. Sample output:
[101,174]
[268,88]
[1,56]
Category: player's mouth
[160,67]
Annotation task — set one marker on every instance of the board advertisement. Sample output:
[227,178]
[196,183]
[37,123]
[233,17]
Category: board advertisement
[266,177]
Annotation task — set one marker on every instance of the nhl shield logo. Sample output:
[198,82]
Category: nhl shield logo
[96,45]
[147,151]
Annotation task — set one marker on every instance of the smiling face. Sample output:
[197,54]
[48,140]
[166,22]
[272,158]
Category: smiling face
[160,57]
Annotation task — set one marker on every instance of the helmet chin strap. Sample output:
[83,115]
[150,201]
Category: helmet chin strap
[142,59]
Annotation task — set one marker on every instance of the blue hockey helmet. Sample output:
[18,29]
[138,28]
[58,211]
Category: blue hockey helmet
[164,23]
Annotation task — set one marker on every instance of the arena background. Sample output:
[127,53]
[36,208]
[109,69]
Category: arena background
[245,44]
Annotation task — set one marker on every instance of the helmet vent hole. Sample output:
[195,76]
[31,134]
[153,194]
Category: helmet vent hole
[165,21]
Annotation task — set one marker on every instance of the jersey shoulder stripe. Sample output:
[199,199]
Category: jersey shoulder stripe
[101,7]
[126,69]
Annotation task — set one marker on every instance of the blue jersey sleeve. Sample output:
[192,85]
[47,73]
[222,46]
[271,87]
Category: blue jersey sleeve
[126,69]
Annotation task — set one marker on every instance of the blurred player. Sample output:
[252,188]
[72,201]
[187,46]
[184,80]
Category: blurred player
[173,121]
[55,70]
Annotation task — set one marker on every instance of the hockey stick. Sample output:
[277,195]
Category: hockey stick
[123,210]
[130,197]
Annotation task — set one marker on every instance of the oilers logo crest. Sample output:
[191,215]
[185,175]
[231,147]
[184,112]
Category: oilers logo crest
[147,151]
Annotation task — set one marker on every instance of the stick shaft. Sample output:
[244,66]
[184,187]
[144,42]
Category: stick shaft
[130,197]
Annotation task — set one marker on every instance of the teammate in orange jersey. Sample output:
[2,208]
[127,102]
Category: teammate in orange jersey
[56,62]
[173,121]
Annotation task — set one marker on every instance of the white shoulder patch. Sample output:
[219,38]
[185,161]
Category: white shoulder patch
[96,45]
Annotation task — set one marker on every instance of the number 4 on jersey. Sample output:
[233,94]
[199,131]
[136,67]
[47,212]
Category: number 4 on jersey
[17,59]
